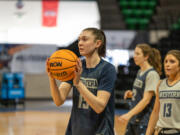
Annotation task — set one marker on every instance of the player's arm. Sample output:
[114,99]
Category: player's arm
[141,105]
[97,103]
[154,115]
[124,119]
[152,78]
[60,94]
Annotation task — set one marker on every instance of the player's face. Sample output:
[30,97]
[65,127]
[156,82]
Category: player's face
[87,44]
[138,56]
[171,65]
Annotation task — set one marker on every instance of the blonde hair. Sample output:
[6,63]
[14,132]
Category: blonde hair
[154,57]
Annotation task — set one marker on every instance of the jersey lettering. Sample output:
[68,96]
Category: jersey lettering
[167,110]
[91,85]
[138,83]
[82,103]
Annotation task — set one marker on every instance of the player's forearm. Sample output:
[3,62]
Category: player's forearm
[96,104]
[139,107]
[55,92]
[152,122]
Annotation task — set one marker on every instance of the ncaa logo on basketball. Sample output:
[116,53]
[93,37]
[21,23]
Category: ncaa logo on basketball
[56,64]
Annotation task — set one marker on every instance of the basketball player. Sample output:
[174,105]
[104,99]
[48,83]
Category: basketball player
[148,59]
[166,111]
[93,95]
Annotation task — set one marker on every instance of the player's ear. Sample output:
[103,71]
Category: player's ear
[147,57]
[98,43]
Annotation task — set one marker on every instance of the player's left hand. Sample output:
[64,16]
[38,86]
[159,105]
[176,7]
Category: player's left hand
[77,72]
[124,119]
[123,122]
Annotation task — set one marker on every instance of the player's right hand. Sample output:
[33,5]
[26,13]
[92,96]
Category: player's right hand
[128,94]
[47,68]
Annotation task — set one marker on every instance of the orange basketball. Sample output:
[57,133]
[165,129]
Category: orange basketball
[62,64]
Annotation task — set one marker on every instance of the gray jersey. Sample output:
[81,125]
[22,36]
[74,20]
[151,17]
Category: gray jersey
[143,82]
[169,97]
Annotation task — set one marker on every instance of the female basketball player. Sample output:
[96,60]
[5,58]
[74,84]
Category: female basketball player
[148,59]
[166,111]
[93,94]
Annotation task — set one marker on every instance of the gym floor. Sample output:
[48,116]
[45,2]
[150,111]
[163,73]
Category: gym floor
[39,118]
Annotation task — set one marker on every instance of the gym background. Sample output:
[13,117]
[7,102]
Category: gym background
[31,30]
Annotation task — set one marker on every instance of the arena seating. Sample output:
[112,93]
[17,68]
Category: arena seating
[125,79]
[137,14]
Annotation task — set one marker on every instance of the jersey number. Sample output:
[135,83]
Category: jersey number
[82,103]
[167,110]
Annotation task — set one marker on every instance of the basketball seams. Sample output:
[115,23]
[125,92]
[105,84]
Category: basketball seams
[70,54]
[62,68]
[62,58]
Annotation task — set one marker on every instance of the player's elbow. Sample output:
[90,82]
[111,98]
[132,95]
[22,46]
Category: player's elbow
[100,109]
[58,102]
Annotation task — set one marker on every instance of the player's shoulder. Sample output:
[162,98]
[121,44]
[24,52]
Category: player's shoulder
[153,72]
[107,65]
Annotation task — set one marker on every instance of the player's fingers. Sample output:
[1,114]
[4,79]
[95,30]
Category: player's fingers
[80,63]
[125,95]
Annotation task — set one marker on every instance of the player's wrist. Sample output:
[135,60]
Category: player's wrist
[78,85]
[51,78]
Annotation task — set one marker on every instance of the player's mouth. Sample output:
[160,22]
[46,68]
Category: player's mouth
[81,49]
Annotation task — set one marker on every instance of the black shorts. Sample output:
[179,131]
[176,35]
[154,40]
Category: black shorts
[136,129]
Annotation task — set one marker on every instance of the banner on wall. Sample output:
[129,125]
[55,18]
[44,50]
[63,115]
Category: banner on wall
[49,13]
[36,22]
[32,59]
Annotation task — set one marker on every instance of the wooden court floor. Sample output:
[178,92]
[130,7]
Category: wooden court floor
[37,123]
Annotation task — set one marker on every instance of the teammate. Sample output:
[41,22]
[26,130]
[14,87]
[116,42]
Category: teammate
[148,59]
[166,112]
[93,95]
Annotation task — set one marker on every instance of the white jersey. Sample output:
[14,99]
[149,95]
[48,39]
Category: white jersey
[169,97]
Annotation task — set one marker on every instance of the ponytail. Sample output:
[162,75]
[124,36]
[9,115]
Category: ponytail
[154,58]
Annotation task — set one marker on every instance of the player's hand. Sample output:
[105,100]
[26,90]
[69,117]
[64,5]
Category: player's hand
[77,72]
[47,68]
[124,118]
[128,94]
[123,122]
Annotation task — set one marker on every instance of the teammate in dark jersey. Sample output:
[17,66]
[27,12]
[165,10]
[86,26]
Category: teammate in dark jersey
[149,61]
[165,118]
[93,95]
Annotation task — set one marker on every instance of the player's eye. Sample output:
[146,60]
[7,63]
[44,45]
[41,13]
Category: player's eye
[172,61]
[84,39]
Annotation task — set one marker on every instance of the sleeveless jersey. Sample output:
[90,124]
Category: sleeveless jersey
[84,120]
[169,97]
[138,92]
